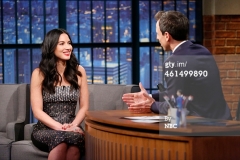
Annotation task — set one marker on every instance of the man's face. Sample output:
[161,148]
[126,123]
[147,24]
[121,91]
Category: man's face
[162,38]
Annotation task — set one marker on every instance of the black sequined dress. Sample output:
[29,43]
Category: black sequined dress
[61,107]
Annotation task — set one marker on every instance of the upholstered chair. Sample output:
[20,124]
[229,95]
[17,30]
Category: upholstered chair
[14,114]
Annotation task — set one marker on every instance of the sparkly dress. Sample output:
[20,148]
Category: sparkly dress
[61,107]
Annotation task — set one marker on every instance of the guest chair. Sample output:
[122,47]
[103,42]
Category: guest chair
[25,150]
[101,97]
[14,114]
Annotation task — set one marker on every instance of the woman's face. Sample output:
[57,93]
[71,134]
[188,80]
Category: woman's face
[64,47]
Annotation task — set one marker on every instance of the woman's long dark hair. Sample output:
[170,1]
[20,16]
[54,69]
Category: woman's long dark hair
[48,64]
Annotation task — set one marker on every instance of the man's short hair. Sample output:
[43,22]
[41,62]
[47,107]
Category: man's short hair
[173,22]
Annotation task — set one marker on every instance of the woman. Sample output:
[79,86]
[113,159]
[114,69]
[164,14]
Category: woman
[56,86]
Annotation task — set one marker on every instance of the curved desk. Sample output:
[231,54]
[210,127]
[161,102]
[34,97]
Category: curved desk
[111,137]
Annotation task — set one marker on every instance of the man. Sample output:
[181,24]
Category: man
[191,68]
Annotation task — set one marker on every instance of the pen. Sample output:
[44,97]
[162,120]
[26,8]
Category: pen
[187,99]
[173,100]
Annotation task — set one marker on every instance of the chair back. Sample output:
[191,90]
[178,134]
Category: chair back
[14,104]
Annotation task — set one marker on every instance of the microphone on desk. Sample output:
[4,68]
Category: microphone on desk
[162,89]
[168,101]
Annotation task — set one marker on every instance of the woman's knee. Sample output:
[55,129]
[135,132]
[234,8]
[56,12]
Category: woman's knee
[73,150]
[59,152]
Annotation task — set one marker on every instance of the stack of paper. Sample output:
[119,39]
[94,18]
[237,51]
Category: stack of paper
[147,119]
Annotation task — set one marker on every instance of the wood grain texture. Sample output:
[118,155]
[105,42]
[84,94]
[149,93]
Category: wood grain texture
[131,148]
[113,138]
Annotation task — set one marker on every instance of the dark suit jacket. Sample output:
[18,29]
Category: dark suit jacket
[208,99]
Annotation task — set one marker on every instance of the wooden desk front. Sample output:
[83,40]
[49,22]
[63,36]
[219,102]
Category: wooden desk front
[110,137]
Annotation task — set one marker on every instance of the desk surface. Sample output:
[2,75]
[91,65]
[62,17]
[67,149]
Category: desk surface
[109,136]
[115,118]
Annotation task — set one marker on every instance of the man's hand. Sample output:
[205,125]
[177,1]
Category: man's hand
[139,102]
